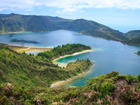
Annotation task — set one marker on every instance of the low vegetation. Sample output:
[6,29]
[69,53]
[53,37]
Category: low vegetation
[109,89]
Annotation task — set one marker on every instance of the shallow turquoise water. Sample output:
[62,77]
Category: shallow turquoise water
[108,55]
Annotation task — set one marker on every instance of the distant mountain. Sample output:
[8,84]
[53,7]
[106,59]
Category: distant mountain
[16,23]
[133,34]
[95,29]
[81,24]
[134,41]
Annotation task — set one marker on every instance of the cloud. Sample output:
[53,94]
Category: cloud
[70,6]
[1,9]
[58,11]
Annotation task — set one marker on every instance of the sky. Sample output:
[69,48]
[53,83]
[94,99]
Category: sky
[122,15]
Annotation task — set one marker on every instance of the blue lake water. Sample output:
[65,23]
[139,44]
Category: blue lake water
[108,55]
[33,52]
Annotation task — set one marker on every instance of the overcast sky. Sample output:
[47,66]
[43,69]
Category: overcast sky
[123,15]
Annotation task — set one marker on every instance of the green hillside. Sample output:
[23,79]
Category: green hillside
[133,34]
[102,33]
[81,24]
[109,89]
[95,29]
[134,41]
[35,71]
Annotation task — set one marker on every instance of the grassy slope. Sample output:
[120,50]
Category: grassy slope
[135,41]
[111,89]
[30,71]
[95,29]
[106,34]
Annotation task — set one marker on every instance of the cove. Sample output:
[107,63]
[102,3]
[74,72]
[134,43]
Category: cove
[108,55]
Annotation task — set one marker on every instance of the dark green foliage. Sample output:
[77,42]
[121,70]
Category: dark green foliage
[64,50]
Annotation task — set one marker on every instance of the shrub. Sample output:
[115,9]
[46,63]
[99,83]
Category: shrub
[138,77]
[129,78]
[106,88]
[112,74]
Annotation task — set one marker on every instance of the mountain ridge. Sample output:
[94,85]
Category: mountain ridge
[16,22]
[35,23]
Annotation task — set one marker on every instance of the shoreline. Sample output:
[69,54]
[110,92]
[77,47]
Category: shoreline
[74,54]
[16,32]
[61,83]
[20,48]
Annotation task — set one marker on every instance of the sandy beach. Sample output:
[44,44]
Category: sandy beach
[74,54]
[20,48]
[61,83]
[16,32]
